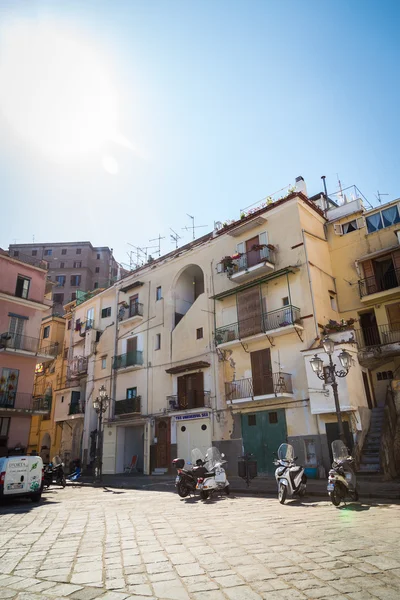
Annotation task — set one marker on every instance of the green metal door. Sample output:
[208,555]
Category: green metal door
[263,432]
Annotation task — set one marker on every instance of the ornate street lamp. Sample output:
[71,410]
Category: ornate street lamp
[100,405]
[328,373]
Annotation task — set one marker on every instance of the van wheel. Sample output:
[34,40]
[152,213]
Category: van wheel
[36,497]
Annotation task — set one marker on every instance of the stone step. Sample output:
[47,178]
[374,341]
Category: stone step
[159,471]
[370,460]
[369,469]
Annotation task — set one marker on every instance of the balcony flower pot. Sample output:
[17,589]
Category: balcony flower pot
[227,262]
[338,326]
[258,247]
[284,324]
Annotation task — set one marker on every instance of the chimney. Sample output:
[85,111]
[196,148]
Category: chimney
[301,185]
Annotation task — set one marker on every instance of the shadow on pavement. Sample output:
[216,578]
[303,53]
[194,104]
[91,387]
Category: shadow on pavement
[23,505]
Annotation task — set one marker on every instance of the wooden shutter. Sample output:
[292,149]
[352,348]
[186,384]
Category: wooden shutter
[393,312]
[182,395]
[131,345]
[396,264]
[253,256]
[262,372]
[369,274]
[249,312]
[198,389]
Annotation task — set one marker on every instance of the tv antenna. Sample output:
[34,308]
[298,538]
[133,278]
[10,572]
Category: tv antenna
[158,239]
[141,256]
[193,226]
[175,237]
[378,197]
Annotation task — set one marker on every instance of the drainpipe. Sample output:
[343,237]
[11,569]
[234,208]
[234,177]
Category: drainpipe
[310,284]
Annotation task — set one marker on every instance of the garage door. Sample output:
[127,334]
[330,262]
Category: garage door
[191,434]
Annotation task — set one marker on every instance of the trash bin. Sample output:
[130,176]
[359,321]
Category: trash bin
[247,467]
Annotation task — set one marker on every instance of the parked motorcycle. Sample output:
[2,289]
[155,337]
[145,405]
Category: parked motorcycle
[214,480]
[54,473]
[291,479]
[342,481]
[186,479]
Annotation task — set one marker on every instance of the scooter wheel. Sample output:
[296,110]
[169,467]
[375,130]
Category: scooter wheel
[282,493]
[203,495]
[355,495]
[63,482]
[182,490]
[335,496]
[227,490]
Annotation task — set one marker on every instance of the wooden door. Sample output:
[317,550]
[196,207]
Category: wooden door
[263,432]
[369,275]
[163,439]
[369,329]
[253,256]
[182,394]
[249,312]
[262,372]
[133,302]
[191,390]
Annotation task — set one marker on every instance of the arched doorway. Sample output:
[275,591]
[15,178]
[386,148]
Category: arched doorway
[188,287]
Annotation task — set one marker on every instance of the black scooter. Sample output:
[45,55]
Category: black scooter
[54,473]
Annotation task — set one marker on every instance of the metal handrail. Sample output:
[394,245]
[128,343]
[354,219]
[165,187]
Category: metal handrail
[261,323]
[129,359]
[374,284]
[128,406]
[193,399]
[134,310]
[16,341]
[244,388]
[369,337]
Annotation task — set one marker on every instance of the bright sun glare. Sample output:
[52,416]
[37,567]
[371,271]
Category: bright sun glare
[55,93]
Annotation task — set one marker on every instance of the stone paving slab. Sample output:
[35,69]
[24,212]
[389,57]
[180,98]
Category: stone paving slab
[87,543]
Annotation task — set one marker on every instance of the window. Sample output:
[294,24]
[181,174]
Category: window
[382,375]
[158,341]
[158,293]
[22,288]
[106,312]
[73,296]
[16,252]
[62,397]
[78,325]
[64,251]
[285,301]
[46,332]
[79,251]
[104,362]
[34,252]
[48,252]
[69,324]
[4,425]
[97,269]
[333,302]
[349,226]
[131,393]
[98,256]
[273,417]
[251,420]
[385,218]
[199,333]
[96,285]
[60,280]
[77,264]
[75,280]
[62,265]
[58,298]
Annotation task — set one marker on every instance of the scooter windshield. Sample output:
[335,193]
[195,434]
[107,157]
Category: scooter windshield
[197,455]
[286,452]
[339,451]
[213,457]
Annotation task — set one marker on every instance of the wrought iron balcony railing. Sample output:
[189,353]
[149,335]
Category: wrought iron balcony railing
[76,408]
[42,404]
[18,401]
[369,337]
[375,284]
[275,383]
[86,326]
[261,323]
[128,406]
[77,366]
[134,310]
[130,359]
[192,399]
[247,260]
[16,341]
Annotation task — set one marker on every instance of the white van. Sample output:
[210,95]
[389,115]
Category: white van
[21,476]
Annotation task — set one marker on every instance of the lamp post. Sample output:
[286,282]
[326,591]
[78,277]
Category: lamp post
[329,373]
[100,405]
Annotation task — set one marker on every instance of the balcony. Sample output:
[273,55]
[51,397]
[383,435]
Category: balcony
[23,345]
[275,323]
[19,402]
[193,399]
[77,367]
[76,408]
[131,313]
[86,326]
[255,263]
[372,288]
[268,387]
[130,359]
[42,404]
[128,407]
[378,344]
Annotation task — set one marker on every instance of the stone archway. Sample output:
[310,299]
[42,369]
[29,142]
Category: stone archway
[188,287]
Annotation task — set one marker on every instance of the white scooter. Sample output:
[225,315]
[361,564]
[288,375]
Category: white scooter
[290,477]
[342,481]
[214,479]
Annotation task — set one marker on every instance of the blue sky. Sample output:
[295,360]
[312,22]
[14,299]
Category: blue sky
[220,104]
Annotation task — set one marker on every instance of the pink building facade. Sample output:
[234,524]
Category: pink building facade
[22,307]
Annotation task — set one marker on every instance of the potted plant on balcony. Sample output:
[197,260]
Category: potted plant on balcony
[227,262]
[337,326]
[258,247]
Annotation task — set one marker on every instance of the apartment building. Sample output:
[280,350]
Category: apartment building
[23,302]
[72,266]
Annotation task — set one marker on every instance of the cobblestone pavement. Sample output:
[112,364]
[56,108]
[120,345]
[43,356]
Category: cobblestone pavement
[87,543]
